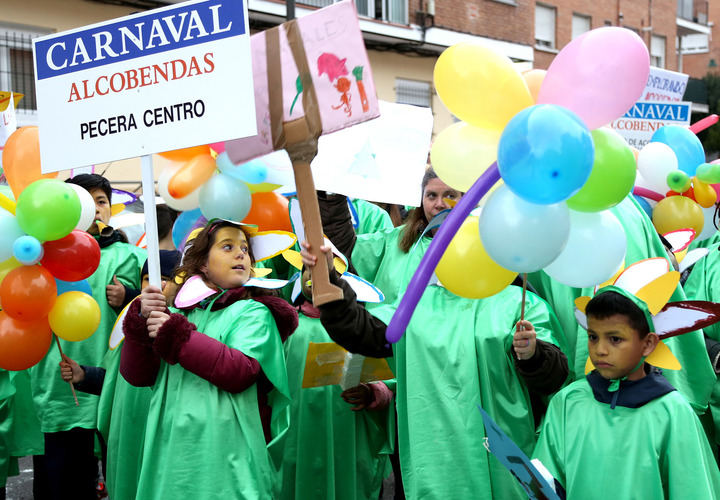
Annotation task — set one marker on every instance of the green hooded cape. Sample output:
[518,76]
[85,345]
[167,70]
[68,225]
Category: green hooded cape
[331,452]
[657,451]
[696,379]
[454,356]
[205,443]
[704,284]
[53,399]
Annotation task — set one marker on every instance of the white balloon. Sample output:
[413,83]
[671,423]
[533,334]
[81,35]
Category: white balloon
[655,161]
[709,228]
[189,202]
[87,207]
[594,252]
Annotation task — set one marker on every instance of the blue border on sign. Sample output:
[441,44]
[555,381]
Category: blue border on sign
[215,16]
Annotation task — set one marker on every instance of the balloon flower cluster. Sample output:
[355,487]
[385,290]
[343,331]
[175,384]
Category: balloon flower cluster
[672,172]
[45,258]
[204,177]
[561,171]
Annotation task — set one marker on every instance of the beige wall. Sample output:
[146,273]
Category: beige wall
[58,15]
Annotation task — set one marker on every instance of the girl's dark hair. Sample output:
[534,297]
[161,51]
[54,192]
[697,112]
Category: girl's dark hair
[416,222]
[198,249]
[607,304]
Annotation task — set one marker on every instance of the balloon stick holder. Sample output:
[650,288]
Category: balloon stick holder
[64,358]
[151,231]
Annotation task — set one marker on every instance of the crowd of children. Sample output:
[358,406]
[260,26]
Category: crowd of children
[197,388]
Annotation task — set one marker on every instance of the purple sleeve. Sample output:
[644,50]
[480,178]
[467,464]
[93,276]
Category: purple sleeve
[139,364]
[178,341]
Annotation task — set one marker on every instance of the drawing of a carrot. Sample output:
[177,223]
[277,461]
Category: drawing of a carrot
[357,73]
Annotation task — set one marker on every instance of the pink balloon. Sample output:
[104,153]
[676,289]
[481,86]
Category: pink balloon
[599,75]
[218,147]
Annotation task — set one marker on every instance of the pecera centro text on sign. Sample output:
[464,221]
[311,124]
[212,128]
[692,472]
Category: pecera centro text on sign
[150,118]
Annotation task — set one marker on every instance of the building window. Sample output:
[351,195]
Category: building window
[17,72]
[580,25]
[392,11]
[657,51]
[544,26]
[413,92]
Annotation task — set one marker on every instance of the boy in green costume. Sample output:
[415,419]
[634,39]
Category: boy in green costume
[70,468]
[624,431]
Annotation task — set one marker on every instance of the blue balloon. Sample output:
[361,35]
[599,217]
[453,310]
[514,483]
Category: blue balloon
[223,197]
[183,225]
[73,286]
[644,204]
[545,154]
[28,250]
[508,223]
[252,172]
[685,144]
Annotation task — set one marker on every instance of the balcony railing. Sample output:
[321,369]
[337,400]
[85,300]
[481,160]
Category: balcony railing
[693,10]
[392,11]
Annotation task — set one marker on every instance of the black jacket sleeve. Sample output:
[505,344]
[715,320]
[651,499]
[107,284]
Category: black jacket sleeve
[337,222]
[546,371]
[93,382]
[349,324]
[713,350]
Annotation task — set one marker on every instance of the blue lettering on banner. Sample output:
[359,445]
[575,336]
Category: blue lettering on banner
[140,35]
[659,111]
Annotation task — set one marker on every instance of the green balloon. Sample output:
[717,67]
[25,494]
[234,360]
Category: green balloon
[678,181]
[612,176]
[48,209]
[709,173]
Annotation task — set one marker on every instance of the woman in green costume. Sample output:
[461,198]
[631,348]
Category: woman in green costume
[457,354]
[218,396]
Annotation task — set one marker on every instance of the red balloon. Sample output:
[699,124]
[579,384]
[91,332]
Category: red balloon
[28,293]
[23,343]
[269,211]
[72,258]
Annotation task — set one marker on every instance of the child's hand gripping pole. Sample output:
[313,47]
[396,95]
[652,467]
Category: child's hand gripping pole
[302,148]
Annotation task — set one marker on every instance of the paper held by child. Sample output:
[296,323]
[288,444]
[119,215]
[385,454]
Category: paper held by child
[327,363]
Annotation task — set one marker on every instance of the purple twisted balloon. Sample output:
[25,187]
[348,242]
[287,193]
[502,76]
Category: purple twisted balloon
[435,251]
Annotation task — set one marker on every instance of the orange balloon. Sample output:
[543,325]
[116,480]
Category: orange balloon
[23,343]
[186,154]
[28,293]
[21,159]
[534,79]
[269,211]
[191,176]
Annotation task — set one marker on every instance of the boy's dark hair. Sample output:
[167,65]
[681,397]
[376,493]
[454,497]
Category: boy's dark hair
[92,181]
[609,303]
[165,219]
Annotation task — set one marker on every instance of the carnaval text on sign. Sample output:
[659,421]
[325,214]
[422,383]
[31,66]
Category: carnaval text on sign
[160,80]
[639,124]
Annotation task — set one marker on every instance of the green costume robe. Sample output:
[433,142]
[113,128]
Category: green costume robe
[696,379]
[454,356]
[122,411]
[7,391]
[51,394]
[656,451]
[331,452]
[205,443]
[371,218]
[704,284]
[27,438]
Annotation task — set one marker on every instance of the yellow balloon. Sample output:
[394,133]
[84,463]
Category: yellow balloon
[461,153]
[480,86]
[705,195]
[467,270]
[75,316]
[8,265]
[263,187]
[677,212]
